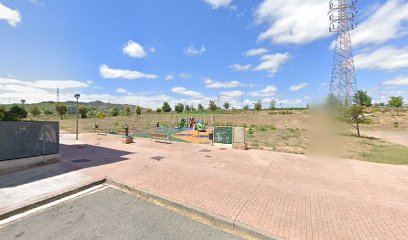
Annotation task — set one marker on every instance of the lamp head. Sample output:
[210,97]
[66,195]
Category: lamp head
[77,95]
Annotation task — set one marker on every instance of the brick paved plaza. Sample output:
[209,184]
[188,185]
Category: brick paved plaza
[288,196]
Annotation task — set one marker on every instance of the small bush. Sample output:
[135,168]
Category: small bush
[100,115]
[250,131]
[263,129]
[396,124]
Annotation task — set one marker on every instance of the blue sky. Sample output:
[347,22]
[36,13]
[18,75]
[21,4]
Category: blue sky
[149,51]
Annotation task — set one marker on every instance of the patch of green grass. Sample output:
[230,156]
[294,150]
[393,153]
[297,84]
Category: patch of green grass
[386,153]
[263,129]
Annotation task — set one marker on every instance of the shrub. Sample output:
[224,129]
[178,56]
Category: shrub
[138,110]
[61,109]
[149,110]
[127,110]
[166,107]
[35,111]
[263,129]
[250,131]
[15,113]
[115,112]
[48,112]
[158,110]
[396,124]
[100,115]
[179,108]
[83,110]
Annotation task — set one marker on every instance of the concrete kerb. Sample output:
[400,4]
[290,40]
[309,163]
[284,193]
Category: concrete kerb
[224,224]
[52,198]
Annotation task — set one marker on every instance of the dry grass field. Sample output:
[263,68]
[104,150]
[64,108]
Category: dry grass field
[283,131]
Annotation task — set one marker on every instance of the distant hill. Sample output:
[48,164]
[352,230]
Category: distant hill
[96,105]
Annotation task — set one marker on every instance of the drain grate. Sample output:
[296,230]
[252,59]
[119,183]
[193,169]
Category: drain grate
[157,158]
[205,150]
[82,160]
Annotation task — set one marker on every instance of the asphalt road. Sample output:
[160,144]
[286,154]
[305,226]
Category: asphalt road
[108,214]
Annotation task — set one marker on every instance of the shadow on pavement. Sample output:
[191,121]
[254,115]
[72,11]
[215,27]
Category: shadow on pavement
[73,157]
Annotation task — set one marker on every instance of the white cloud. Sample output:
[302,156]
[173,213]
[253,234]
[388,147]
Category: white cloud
[232,94]
[121,90]
[216,4]
[12,90]
[385,23]
[134,50]
[169,77]
[241,68]
[186,92]
[107,72]
[45,84]
[399,81]
[298,87]
[384,58]
[293,21]
[12,17]
[272,62]
[215,84]
[185,75]
[255,52]
[192,51]
[266,92]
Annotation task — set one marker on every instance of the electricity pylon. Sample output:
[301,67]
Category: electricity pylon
[342,17]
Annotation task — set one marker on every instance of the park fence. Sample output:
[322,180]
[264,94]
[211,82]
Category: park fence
[28,139]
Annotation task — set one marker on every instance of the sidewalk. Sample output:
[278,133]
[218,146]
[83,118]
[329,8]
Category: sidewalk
[289,196]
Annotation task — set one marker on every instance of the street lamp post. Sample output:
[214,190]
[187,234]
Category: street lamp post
[77,96]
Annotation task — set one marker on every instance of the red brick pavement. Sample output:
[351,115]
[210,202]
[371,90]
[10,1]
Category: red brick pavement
[290,196]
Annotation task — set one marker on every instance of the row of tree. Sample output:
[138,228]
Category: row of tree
[361,98]
[354,115]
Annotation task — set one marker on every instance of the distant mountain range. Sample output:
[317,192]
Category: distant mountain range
[97,105]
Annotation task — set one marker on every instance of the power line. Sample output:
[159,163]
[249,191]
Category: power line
[342,16]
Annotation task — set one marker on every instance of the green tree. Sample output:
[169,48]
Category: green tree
[361,98]
[273,105]
[35,111]
[188,108]
[179,107]
[258,106]
[83,110]
[166,107]
[61,109]
[2,113]
[227,105]
[212,107]
[246,107]
[48,112]
[354,116]
[100,115]
[200,107]
[158,110]
[127,110]
[396,102]
[16,113]
[138,110]
[149,110]
[115,112]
